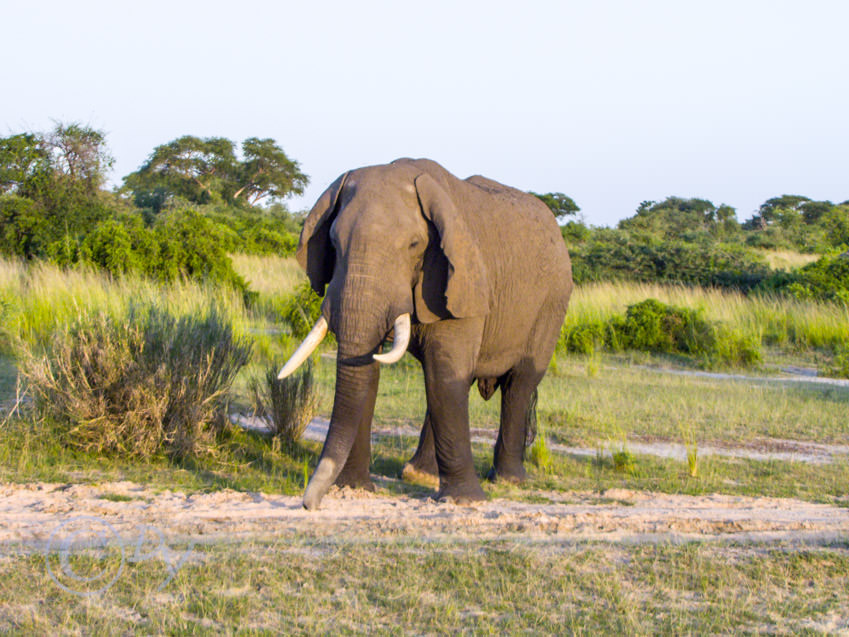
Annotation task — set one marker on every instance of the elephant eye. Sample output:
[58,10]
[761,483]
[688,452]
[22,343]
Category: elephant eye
[414,244]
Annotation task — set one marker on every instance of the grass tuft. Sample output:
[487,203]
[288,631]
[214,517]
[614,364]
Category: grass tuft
[286,405]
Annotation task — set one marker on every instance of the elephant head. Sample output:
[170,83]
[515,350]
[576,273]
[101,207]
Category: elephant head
[386,246]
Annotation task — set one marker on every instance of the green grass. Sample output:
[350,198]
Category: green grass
[301,585]
[618,404]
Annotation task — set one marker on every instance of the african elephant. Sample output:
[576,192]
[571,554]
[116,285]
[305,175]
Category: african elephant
[471,276]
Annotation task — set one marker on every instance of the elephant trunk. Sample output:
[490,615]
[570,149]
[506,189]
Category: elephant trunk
[359,334]
[356,389]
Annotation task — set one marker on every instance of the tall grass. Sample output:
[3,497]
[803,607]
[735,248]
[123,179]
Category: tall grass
[770,319]
[268,275]
[36,299]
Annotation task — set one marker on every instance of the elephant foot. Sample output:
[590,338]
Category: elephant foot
[461,493]
[355,482]
[513,475]
[413,475]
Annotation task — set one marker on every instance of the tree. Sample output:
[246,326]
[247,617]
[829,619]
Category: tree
[561,205]
[206,170]
[679,218]
[50,187]
[267,172]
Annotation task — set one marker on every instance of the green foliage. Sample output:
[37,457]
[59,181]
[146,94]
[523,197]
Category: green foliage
[50,190]
[206,170]
[617,255]
[826,279]
[561,205]
[181,244]
[147,382]
[301,310]
[797,222]
[652,326]
[681,219]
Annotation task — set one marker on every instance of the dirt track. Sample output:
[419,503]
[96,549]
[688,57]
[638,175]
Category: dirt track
[30,513]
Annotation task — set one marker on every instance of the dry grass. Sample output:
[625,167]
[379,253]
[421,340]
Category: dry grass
[269,275]
[286,405]
[787,260]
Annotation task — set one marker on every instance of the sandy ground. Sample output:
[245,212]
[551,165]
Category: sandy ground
[32,514]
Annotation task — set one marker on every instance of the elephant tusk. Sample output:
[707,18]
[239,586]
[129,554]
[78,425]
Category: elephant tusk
[307,347]
[402,340]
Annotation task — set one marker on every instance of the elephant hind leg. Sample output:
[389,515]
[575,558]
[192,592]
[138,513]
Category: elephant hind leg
[422,468]
[518,424]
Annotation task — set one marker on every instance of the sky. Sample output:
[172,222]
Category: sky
[611,102]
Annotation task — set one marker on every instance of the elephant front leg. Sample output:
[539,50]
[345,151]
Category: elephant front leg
[422,468]
[448,403]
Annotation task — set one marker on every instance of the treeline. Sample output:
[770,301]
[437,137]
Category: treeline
[695,242]
[190,204]
[194,200]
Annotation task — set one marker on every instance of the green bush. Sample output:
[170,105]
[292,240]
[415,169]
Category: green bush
[301,310]
[652,326]
[826,279]
[150,382]
[615,255]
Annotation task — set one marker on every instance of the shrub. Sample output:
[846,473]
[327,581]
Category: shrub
[287,406]
[826,279]
[840,363]
[301,310]
[145,383]
[652,326]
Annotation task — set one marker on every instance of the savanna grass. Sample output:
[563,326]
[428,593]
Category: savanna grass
[39,298]
[767,319]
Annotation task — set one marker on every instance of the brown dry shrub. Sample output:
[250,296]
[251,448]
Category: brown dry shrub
[138,385]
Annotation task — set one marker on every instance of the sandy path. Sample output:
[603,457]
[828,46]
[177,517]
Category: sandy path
[30,513]
[761,449]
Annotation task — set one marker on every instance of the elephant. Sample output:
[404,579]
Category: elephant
[470,276]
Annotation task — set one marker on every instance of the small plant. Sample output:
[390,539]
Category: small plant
[623,460]
[692,447]
[540,455]
[287,406]
[839,367]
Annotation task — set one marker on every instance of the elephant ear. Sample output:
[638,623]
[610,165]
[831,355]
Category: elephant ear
[454,279]
[315,252]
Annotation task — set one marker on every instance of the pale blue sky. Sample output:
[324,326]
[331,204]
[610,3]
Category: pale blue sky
[611,102]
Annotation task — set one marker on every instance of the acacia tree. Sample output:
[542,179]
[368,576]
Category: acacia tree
[561,205]
[206,170]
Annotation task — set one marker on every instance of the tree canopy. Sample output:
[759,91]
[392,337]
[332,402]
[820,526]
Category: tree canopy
[207,170]
[561,205]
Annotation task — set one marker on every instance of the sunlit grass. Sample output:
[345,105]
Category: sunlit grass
[448,585]
[38,298]
[269,275]
[771,319]
[787,260]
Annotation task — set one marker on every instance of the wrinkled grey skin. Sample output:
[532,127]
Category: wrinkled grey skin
[483,271]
